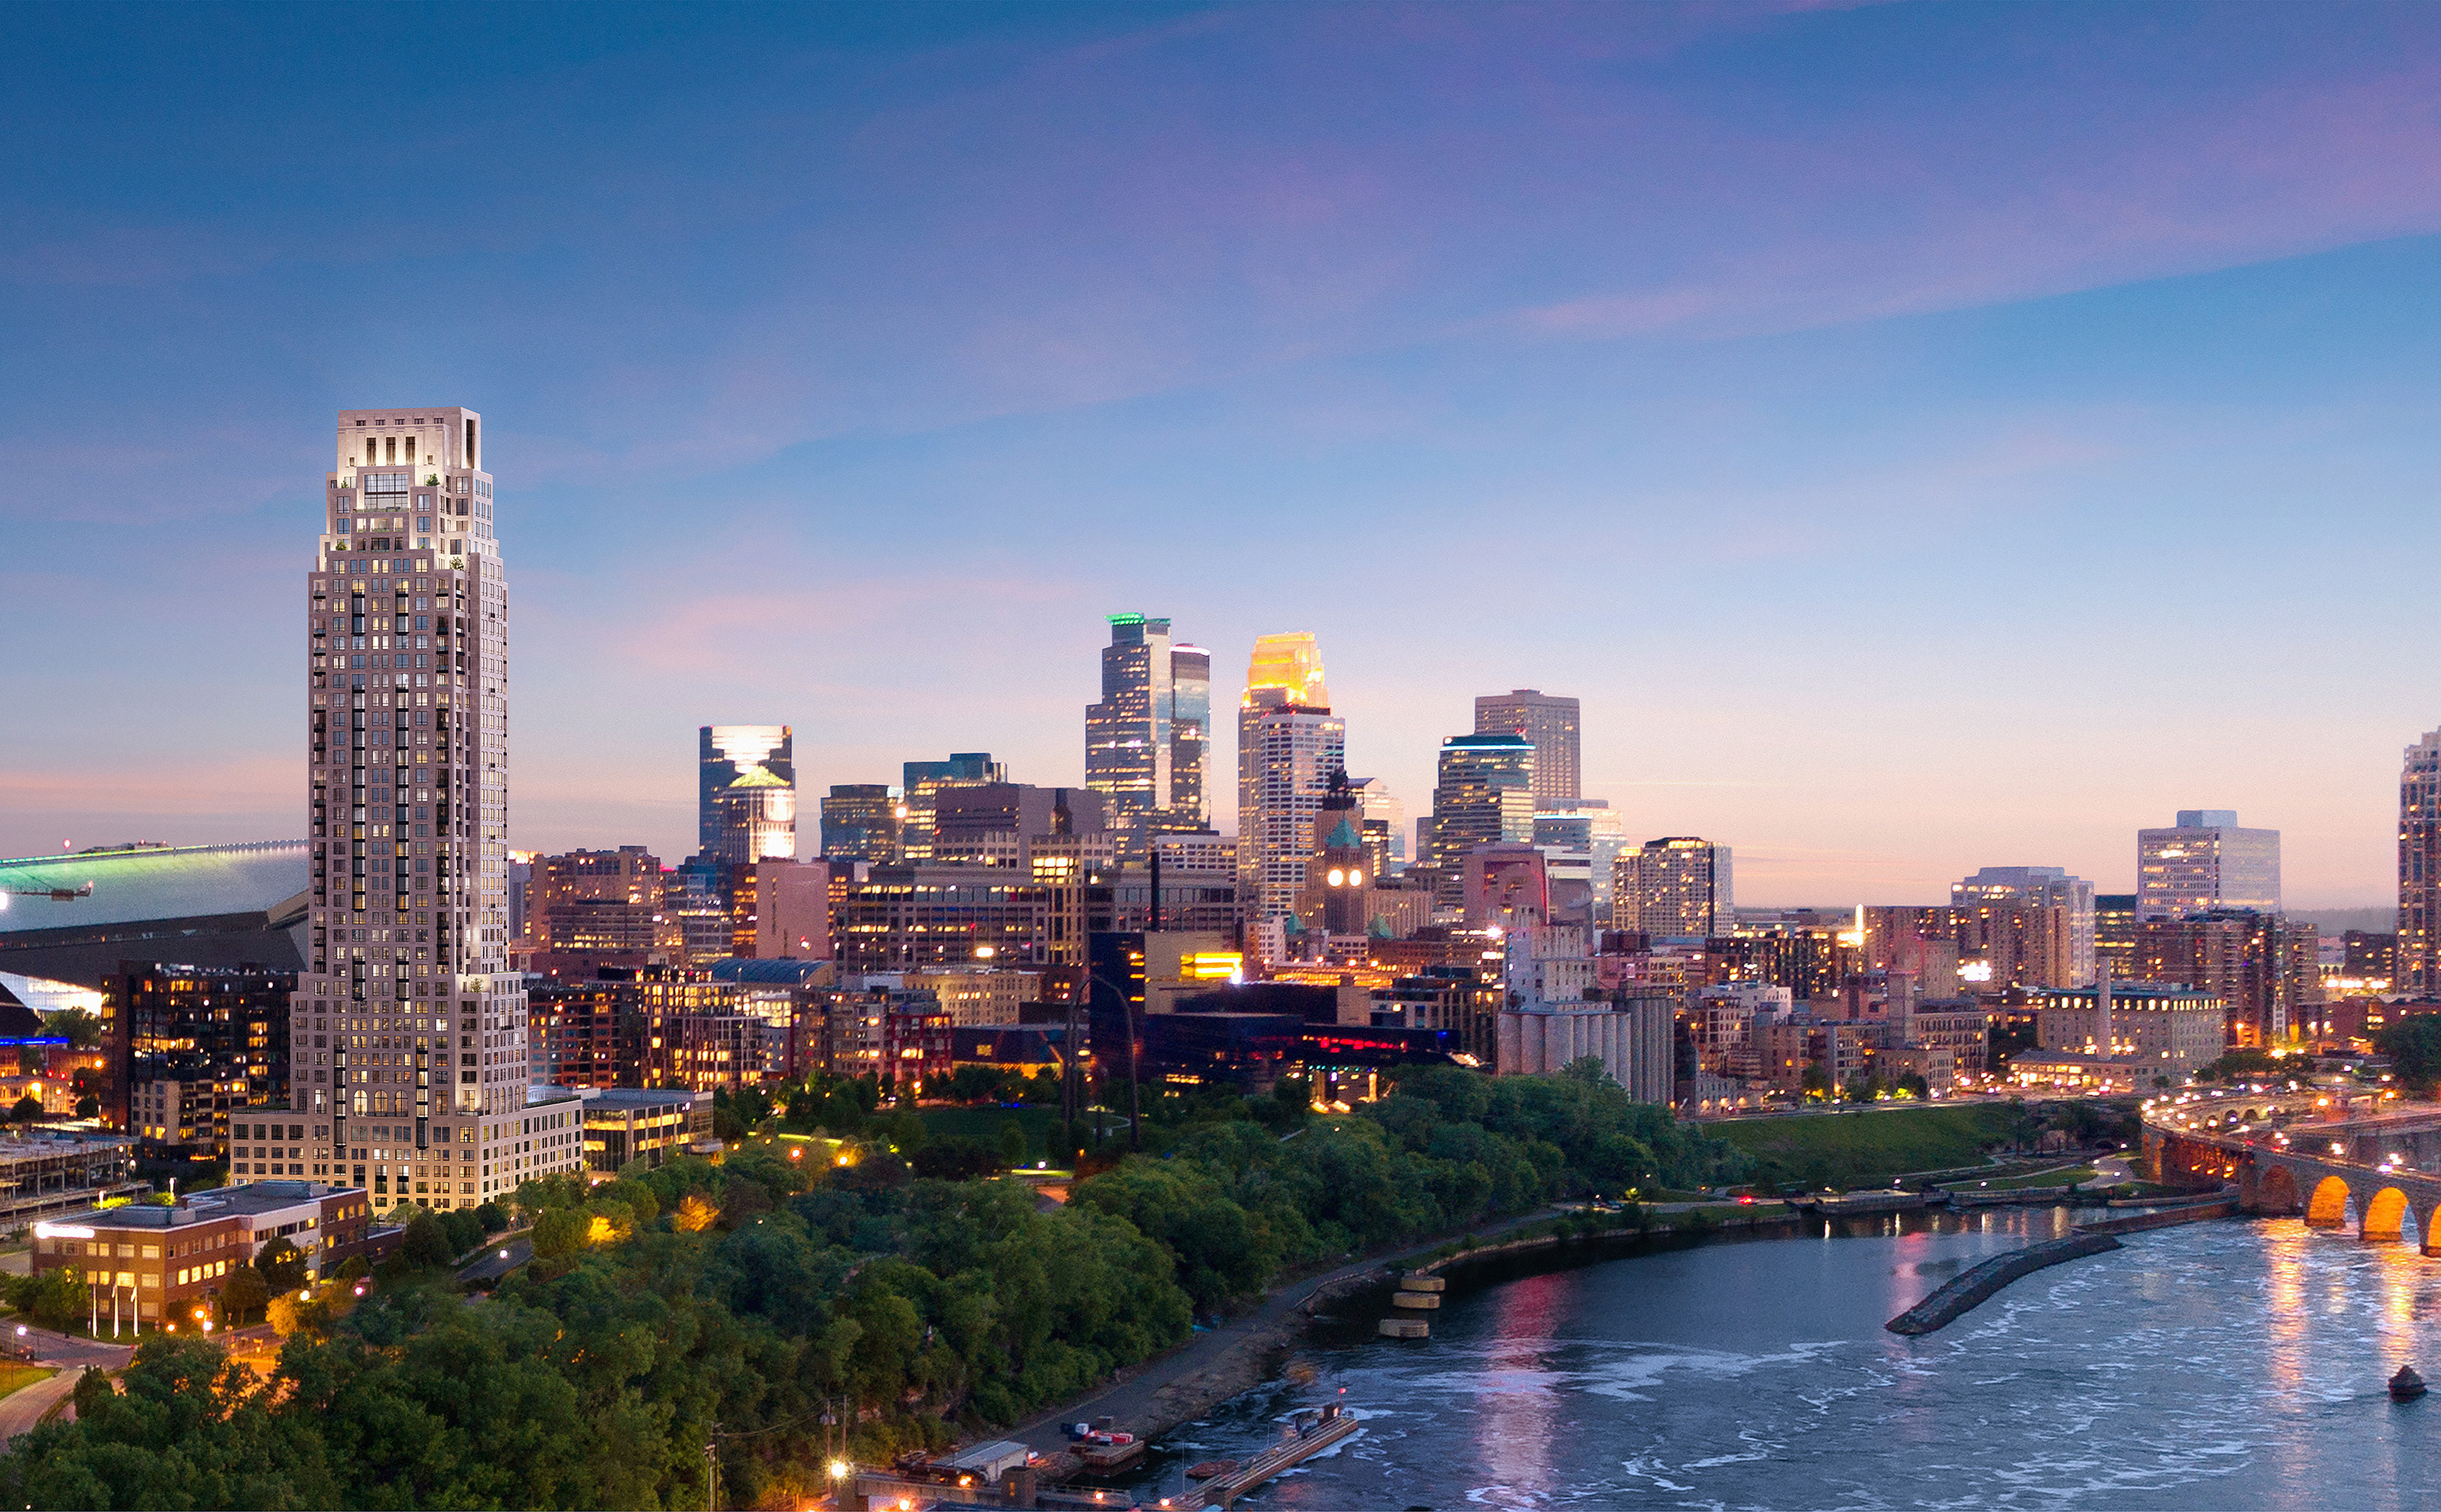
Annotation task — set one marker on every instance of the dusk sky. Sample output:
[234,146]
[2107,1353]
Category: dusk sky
[1924,436]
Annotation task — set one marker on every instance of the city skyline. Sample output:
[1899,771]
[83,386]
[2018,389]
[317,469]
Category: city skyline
[1873,446]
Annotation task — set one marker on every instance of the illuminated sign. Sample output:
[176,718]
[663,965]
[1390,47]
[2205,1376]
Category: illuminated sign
[61,1231]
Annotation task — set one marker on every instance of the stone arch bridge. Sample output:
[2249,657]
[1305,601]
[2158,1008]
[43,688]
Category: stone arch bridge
[2366,1175]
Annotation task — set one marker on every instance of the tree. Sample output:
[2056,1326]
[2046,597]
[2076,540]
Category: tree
[56,1298]
[283,1265]
[242,1295]
[1589,1069]
[82,1030]
[2414,1046]
[955,1157]
[1012,1142]
[426,1242]
[26,1111]
[559,1232]
[492,1216]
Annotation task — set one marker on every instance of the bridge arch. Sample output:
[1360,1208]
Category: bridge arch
[2276,1194]
[2386,1217]
[2328,1207]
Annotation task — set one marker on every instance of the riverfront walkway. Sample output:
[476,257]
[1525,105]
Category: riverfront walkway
[1138,1395]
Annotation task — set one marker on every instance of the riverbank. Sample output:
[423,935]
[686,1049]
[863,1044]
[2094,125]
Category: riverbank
[1157,1395]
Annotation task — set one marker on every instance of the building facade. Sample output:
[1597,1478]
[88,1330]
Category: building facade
[861,822]
[747,793]
[185,1048]
[409,1021]
[1485,795]
[1551,725]
[2419,960]
[1288,744]
[1674,888]
[1144,741]
[2206,861]
[2048,887]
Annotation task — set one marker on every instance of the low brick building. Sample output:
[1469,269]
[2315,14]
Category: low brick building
[144,1264]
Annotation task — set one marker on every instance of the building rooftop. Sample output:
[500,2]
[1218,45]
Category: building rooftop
[779,972]
[253,1199]
[637,1097]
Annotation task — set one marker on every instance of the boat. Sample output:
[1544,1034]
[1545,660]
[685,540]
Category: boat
[1206,1469]
[2406,1386]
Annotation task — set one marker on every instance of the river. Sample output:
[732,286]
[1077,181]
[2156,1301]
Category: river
[2233,1364]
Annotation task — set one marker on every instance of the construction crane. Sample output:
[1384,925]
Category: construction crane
[55,895]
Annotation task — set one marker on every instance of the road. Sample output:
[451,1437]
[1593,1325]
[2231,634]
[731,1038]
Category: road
[1134,1395]
[67,1349]
[21,1410]
[499,1258]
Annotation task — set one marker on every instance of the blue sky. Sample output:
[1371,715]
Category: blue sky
[1924,436]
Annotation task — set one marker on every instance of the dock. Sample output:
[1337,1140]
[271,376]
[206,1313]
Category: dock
[1302,1444]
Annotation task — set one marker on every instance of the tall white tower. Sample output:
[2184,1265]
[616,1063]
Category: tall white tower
[407,1044]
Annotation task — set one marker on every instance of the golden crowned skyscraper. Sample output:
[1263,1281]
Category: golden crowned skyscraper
[1289,747]
[408,1043]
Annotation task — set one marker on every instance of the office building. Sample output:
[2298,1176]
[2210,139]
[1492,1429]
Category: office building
[792,911]
[1548,724]
[600,904]
[652,1124]
[1586,834]
[1675,888]
[993,824]
[1289,746]
[2149,1030]
[2205,861]
[2265,968]
[2419,960]
[921,790]
[1146,740]
[2115,920]
[186,1048]
[861,822]
[1484,797]
[144,1265]
[2048,887]
[1385,816]
[747,793]
[408,1038]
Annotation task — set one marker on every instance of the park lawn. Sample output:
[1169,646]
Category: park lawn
[1869,1147]
[983,1125]
[17,1378]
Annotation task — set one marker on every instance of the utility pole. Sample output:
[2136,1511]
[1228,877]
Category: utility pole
[710,1463]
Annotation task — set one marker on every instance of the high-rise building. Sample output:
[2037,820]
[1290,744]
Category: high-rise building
[1583,836]
[1551,725]
[1144,741]
[407,1034]
[1485,796]
[747,793]
[185,1047]
[1288,744]
[2205,861]
[1190,738]
[1674,888]
[2419,869]
[2045,886]
[861,822]
[921,790]
[601,903]
[2114,934]
[2263,966]
[1381,807]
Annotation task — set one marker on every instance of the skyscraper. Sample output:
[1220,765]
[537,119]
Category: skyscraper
[920,795]
[2419,869]
[1674,888]
[1550,724]
[747,793]
[1288,744]
[2040,887]
[1144,741]
[1485,796]
[2205,861]
[409,1031]
[861,822]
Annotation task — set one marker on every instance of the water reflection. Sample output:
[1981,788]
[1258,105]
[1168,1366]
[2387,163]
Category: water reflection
[2235,1364]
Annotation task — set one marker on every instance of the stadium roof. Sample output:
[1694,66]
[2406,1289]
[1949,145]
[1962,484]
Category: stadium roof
[155,882]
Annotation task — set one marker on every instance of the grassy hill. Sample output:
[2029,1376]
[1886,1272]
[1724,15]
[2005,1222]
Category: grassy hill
[1866,1148]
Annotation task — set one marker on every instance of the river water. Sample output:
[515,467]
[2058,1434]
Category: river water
[2234,1365]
